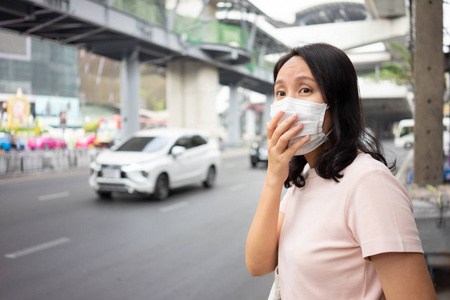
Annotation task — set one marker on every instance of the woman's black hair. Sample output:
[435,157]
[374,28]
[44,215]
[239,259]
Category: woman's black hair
[336,78]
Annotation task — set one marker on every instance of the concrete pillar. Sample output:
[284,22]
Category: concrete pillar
[429,91]
[267,104]
[234,117]
[250,124]
[191,90]
[130,84]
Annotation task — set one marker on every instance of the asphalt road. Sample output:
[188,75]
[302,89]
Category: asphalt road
[59,242]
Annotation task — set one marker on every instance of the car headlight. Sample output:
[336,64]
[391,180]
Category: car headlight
[132,168]
[95,166]
[137,172]
[138,176]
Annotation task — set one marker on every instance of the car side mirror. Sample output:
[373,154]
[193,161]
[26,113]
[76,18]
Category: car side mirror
[177,151]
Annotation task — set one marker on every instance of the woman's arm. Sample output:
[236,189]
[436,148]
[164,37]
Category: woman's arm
[404,276]
[261,253]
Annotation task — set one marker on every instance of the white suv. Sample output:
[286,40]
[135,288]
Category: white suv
[155,161]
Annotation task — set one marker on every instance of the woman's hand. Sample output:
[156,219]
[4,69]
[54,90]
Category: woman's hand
[278,137]
[261,253]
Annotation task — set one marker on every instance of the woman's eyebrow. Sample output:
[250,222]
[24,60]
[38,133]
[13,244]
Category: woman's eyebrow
[280,81]
[304,77]
[298,78]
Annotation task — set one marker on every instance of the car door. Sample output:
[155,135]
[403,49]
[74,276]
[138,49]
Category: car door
[199,156]
[183,165]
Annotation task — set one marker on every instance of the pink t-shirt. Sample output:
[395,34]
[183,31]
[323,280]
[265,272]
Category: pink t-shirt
[331,229]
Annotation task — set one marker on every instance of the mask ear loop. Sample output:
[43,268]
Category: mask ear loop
[328,133]
[322,118]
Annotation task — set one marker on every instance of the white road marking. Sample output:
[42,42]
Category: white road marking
[53,196]
[237,187]
[173,206]
[38,248]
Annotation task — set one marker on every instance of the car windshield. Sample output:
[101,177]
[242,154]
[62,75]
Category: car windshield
[406,130]
[144,144]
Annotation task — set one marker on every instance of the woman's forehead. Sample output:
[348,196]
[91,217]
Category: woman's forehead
[295,69]
[295,66]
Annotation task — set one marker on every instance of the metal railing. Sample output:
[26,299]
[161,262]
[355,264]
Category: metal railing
[22,162]
[193,30]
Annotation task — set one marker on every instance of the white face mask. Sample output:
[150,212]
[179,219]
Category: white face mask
[309,113]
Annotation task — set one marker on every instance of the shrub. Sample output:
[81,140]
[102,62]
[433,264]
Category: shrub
[90,127]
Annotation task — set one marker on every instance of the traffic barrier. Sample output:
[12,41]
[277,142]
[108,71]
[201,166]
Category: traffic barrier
[17,162]
[31,162]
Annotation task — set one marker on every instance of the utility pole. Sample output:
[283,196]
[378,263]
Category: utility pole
[428,90]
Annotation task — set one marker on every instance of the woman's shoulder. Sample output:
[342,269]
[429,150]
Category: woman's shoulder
[365,164]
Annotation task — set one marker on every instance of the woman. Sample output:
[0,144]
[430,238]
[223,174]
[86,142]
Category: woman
[345,228]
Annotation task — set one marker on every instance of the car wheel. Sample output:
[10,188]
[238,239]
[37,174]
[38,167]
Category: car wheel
[408,145]
[210,177]
[161,187]
[104,195]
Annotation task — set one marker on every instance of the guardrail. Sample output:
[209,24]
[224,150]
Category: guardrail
[21,162]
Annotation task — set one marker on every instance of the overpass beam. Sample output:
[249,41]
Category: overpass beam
[129,93]
[429,92]
[356,33]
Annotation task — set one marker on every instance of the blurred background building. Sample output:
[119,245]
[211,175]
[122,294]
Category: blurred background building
[248,35]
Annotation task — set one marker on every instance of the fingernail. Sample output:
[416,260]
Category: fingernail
[306,138]
[300,125]
[293,117]
[279,113]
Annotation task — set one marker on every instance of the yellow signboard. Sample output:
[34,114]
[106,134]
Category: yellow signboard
[18,109]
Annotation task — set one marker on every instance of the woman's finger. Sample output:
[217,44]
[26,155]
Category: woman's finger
[282,128]
[272,125]
[297,145]
[288,135]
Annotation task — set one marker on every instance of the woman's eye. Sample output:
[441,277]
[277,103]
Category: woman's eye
[280,93]
[305,90]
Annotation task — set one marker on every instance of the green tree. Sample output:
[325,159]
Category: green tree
[401,72]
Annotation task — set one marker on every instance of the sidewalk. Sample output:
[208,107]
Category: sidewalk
[233,152]
[431,205]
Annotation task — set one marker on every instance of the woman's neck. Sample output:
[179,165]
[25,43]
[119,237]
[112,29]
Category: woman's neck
[311,157]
